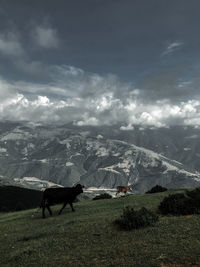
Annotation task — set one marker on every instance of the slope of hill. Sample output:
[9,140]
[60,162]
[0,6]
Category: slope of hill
[65,155]
[88,237]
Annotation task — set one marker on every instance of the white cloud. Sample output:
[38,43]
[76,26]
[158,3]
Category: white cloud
[6,90]
[87,120]
[42,101]
[172,47]
[46,37]
[127,128]
[184,84]
[10,45]
[91,99]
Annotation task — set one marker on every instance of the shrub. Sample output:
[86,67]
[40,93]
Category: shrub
[131,219]
[194,194]
[103,196]
[181,204]
[156,189]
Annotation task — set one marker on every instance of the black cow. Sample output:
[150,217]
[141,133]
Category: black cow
[63,195]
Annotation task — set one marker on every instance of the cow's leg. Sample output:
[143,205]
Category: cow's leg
[43,211]
[48,207]
[71,206]
[42,205]
[64,205]
[117,193]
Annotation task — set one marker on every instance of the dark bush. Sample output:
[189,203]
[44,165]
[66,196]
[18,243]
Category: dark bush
[19,206]
[131,219]
[181,204]
[103,196]
[14,198]
[156,189]
[194,194]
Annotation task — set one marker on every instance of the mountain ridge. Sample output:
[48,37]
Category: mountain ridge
[92,156]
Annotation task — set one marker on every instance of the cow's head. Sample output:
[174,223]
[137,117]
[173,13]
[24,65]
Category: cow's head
[79,188]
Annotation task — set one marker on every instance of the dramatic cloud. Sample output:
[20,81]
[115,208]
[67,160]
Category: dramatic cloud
[137,63]
[46,37]
[91,99]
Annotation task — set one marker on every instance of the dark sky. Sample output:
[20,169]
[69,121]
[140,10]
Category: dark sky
[100,61]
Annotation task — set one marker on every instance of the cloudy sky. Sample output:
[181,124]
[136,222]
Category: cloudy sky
[97,62]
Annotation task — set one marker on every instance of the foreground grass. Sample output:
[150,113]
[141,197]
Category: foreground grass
[89,238]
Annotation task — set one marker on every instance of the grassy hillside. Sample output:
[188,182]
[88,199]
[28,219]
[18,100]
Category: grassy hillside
[87,237]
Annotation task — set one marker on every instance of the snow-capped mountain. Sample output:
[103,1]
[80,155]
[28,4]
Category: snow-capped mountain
[96,157]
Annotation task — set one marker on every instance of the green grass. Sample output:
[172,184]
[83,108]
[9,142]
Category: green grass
[88,237]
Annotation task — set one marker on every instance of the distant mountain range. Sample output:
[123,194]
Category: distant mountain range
[38,156]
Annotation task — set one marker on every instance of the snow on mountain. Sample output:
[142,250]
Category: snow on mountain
[33,182]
